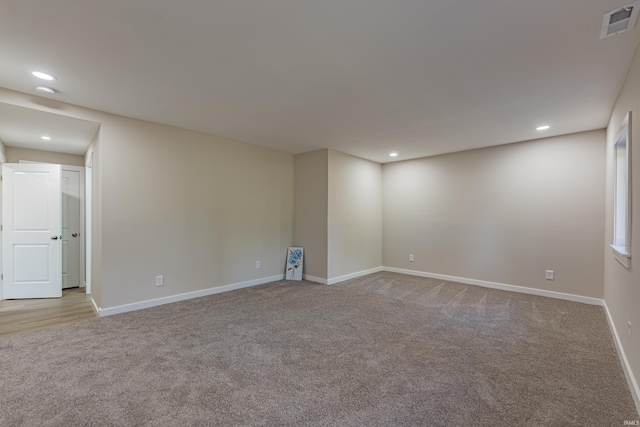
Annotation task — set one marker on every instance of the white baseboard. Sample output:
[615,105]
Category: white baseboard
[626,367]
[95,307]
[315,279]
[339,279]
[188,295]
[501,286]
[631,381]
[633,385]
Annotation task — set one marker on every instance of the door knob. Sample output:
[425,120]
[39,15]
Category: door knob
[75,234]
[54,237]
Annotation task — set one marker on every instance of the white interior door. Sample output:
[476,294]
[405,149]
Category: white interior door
[31,237]
[70,229]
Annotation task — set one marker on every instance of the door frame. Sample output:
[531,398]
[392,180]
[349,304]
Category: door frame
[88,225]
[83,207]
[3,159]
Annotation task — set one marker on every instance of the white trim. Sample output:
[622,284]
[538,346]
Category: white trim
[88,220]
[628,373]
[633,385]
[81,248]
[622,256]
[342,278]
[620,250]
[353,275]
[95,307]
[626,367]
[3,159]
[188,295]
[315,279]
[501,286]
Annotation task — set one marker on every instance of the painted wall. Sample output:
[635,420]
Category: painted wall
[95,252]
[15,154]
[622,286]
[310,225]
[197,209]
[503,214]
[354,215]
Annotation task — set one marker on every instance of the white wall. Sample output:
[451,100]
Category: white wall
[311,199]
[503,214]
[338,214]
[354,215]
[622,286]
[15,154]
[201,210]
[95,252]
[197,209]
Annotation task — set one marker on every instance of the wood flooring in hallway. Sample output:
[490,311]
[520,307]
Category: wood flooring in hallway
[17,316]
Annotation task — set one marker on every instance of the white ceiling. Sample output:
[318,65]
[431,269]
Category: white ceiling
[24,127]
[365,77]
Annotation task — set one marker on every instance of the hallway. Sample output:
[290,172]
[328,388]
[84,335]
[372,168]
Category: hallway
[17,316]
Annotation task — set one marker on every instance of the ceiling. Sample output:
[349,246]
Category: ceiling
[24,127]
[365,77]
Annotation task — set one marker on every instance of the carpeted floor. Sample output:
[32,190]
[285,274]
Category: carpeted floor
[382,350]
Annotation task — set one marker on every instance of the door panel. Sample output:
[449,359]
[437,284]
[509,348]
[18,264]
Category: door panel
[70,229]
[31,201]
[32,248]
[30,263]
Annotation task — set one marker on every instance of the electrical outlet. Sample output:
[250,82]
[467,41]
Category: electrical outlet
[159,280]
[549,275]
[410,257]
[257,264]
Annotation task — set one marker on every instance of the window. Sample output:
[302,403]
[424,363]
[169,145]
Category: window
[622,194]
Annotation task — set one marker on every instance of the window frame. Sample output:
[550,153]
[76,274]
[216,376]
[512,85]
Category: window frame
[622,252]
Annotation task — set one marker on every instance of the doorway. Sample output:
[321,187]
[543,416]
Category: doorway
[30,133]
[61,259]
[72,188]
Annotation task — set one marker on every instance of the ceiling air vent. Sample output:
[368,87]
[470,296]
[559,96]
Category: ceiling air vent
[619,20]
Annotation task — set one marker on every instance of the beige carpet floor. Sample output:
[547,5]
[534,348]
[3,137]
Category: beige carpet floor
[381,350]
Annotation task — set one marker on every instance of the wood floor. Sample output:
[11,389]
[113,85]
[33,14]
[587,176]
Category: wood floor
[24,315]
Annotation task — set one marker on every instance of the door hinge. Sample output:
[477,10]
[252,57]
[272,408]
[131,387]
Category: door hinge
[1,227]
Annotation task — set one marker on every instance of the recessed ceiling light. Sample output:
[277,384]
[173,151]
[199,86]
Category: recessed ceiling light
[393,154]
[45,89]
[545,127]
[46,138]
[43,76]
